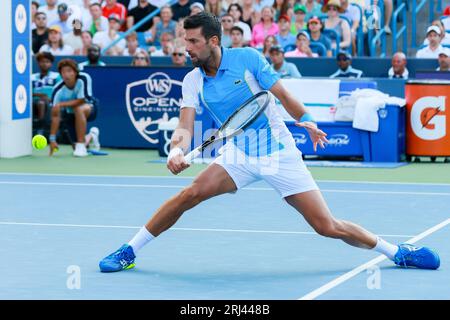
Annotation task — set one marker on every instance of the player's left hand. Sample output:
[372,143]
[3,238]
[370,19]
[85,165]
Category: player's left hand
[317,135]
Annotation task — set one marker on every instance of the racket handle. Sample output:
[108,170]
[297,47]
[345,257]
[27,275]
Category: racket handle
[192,155]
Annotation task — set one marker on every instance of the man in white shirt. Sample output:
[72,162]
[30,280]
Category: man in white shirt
[50,10]
[434,46]
[105,38]
[398,69]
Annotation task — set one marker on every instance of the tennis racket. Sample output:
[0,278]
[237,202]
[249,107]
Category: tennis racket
[240,119]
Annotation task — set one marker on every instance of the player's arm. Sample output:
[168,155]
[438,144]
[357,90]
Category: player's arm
[298,111]
[70,103]
[181,141]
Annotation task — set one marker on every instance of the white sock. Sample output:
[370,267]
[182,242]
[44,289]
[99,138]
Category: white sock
[140,239]
[386,248]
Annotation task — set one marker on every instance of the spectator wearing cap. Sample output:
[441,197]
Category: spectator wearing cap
[179,54]
[237,37]
[136,14]
[112,7]
[63,19]
[315,28]
[196,7]
[236,11]
[73,38]
[105,38]
[281,7]
[227,23]
[132,44]
[97,21]
[333,8]
[42,84]
[445,36]
[302,49]
[284,37]
[398,69]
[434,44]
[165,25]
[313,8]
[181,9]
[280,65]
[444,60]
[40,34]
[300,19]
[266,27]
[50,10]
[93,58]
[344,61]
[55,44]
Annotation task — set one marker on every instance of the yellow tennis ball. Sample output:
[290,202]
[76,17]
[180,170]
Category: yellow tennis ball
[39,142]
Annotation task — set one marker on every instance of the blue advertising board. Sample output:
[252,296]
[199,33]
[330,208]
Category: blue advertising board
[134,101]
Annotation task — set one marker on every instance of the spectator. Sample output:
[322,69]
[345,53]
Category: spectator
[181,9]
[42,83]
[85,14]
[55,44]
[344,61]
[284,37]
[86,38]
[112,7]
[249,15]
[313,8]
[398,69]
[266,27]
[268,43]
[141,59]
[302,49]
[341,26]
[283,68]
[259,5]
[445,37]
[136,14]
[63,19]
[215,7]
[280,8]
[40,34]
[166,49]
[73,38]
[352,14]
[179,55]
[105,38]
[97,21]
[50,10]
[388,8]
[237,37]
[166,25]
[315,27]
[444,60]
[196,7]
[73,95]
[434,47]
[93,58]
[132,44]
[299,22]
[235,10]
[180,33]
[227,23]
[34,10]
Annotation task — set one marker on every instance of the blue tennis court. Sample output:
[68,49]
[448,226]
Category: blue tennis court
[248,245]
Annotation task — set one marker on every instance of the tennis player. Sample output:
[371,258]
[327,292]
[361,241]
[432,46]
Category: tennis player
[222,80]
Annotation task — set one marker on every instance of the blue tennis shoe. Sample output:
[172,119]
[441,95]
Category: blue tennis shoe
[419,257]
[122,259]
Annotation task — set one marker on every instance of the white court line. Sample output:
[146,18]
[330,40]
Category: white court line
[161,186]
[330,285]
[192,177]
[36,224]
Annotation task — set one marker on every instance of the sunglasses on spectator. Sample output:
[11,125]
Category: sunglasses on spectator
[227,20]
[180,54]
[139,58]
[332,8]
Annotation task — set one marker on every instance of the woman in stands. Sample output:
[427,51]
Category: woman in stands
[333,8]
[266,27]
[269,42]
[141,59]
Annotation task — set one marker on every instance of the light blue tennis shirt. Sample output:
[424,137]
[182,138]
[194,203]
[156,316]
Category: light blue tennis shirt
[242,73]
[81,90]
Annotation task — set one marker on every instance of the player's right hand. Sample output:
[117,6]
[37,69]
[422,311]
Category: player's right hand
[53,147]
[176,162]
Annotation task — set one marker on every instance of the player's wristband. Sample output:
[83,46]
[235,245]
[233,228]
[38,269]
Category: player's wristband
[174,152]
[52,138]
[307,117]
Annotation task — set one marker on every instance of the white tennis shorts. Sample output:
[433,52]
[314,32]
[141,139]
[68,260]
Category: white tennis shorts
[284,170]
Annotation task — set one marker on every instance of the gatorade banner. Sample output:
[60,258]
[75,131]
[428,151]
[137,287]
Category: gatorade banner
[428,118]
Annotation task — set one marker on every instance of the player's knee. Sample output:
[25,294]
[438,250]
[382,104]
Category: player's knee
[192,195]
[329,229]
[55,112]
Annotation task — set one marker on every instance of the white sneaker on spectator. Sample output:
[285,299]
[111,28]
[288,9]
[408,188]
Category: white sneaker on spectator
[80,150]
[387,29]
[95,133]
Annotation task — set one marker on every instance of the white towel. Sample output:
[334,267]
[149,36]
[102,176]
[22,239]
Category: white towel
[366,113]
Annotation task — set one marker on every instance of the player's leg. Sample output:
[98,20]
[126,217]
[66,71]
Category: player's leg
[81,114]
[213,181]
